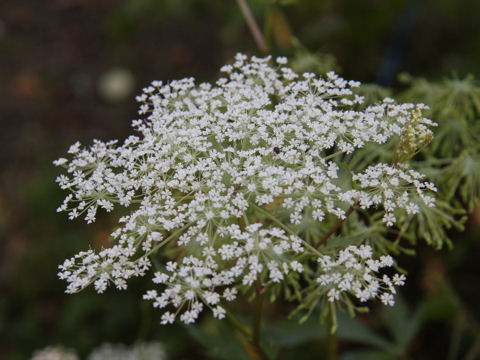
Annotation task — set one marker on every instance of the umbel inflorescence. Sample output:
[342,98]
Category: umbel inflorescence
[223,179]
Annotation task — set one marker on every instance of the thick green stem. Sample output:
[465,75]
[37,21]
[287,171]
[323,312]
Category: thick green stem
[332,340]
[254,350]
[332,346]
[257,319]
[238,325]
[258,314]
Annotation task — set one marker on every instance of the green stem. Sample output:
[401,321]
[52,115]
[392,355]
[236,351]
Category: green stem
[284,227]
[162,243]
[332,340]
[257,319]
[238,325]
[332,346]
[258,314]
[332,155]
[273,218]
[246,338]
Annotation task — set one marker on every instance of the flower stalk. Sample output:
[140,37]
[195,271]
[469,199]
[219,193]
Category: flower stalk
[335,227]
[257,317]
[253,27]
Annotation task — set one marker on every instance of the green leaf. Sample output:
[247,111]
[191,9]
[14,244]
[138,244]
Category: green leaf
[431,223]
[353,330]
[305,61]
[463,176]
[216,337]
[368,355]
[401,323]
[290,334]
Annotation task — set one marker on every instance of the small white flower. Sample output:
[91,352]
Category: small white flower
[60,161]
[353,272]
[387,299]
[219,312]
[168,318]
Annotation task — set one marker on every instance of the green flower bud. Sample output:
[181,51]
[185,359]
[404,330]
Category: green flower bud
[413,139]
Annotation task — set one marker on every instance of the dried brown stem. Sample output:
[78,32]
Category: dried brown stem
[253,26]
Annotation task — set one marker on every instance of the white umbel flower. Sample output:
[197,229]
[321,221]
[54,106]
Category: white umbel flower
[213,165]
[356,272]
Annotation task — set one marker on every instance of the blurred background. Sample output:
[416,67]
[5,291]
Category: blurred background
[70,70]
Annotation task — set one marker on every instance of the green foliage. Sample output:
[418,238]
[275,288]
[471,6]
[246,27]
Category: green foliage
[452,159]
[433,224]
[305,61]
[218,341]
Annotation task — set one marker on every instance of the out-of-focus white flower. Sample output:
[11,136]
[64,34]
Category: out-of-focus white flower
[140,351]
[115,84]
[55,353]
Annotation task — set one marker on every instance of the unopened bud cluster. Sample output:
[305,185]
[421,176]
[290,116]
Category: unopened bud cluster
[415,136]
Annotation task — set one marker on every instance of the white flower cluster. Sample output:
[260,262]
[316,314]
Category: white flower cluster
[355,271]
[111,264]
[213,167]
[54,353]
[239,257]
[140,351]
[394,188]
